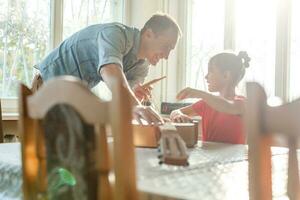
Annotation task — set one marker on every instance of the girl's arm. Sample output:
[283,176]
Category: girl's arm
[183,114]
[218,103]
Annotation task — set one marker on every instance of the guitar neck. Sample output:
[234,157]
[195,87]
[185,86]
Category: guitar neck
[173,150]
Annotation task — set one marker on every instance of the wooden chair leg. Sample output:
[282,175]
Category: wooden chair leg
[104,188]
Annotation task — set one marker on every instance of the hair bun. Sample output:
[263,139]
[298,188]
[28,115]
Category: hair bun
[243,55]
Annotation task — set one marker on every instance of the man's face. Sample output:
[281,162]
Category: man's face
[159,45]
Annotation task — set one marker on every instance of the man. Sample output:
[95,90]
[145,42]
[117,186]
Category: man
[105,51]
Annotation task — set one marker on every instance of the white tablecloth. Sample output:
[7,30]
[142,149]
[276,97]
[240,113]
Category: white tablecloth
[213,172]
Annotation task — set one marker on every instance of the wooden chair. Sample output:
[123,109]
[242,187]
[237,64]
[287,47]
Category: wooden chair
[263,123]
[1,126]
[64,143]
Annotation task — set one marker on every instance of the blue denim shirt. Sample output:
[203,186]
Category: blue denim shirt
[87,51]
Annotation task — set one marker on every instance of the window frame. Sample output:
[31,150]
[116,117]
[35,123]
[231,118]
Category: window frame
[283,49]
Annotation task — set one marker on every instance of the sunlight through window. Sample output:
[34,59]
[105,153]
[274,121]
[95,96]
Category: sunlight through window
[206,33]
[256,34]
[24,40]
[81,13]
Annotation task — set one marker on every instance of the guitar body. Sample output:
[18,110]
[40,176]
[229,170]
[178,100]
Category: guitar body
[146,135]
[149,135]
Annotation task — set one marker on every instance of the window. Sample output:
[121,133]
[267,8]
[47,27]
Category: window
[256,34]
[24,39]
[81,13]
[206,33]
[295,52]
[25,35]
[250,26]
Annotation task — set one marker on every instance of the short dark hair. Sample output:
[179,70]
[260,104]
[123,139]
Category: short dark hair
[161,22]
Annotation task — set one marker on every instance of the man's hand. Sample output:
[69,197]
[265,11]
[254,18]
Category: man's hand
[178,116]
[141,92]
[148,114]
[188,93]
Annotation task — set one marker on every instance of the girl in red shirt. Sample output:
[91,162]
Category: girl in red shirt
[221,115]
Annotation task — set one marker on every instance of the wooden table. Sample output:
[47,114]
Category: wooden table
[216,171]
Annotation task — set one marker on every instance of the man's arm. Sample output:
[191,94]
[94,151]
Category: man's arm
[113,70]
[219,103]
[110,71]
[136,78]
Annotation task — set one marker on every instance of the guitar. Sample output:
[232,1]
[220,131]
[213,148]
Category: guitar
[148,135]
[172,148]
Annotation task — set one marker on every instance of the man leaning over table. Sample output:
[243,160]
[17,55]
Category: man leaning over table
[113,50]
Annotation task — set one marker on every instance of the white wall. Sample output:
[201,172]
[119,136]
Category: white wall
[141,10]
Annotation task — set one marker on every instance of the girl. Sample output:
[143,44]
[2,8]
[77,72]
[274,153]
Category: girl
[221,115]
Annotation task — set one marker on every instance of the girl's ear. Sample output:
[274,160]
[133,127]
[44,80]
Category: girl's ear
[227,76]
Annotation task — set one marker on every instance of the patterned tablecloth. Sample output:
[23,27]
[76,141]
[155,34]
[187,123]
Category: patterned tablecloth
[10,171]
[215,171]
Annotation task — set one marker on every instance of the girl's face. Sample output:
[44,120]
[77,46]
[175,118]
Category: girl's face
[216,79]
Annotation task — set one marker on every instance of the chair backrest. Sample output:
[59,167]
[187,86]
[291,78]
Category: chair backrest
[1,126]
[64,144]
[262,124]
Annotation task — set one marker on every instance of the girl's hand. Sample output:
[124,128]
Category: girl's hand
[188,93]
[178,116]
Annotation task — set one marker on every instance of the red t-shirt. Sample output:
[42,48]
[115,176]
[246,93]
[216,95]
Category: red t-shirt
[219,126]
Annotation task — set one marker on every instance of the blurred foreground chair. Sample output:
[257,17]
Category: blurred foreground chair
[263,123]
[64,143]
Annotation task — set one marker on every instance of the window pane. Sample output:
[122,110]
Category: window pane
[205,38]
[81,13]
[24,39]
[295,51]
[255,33]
